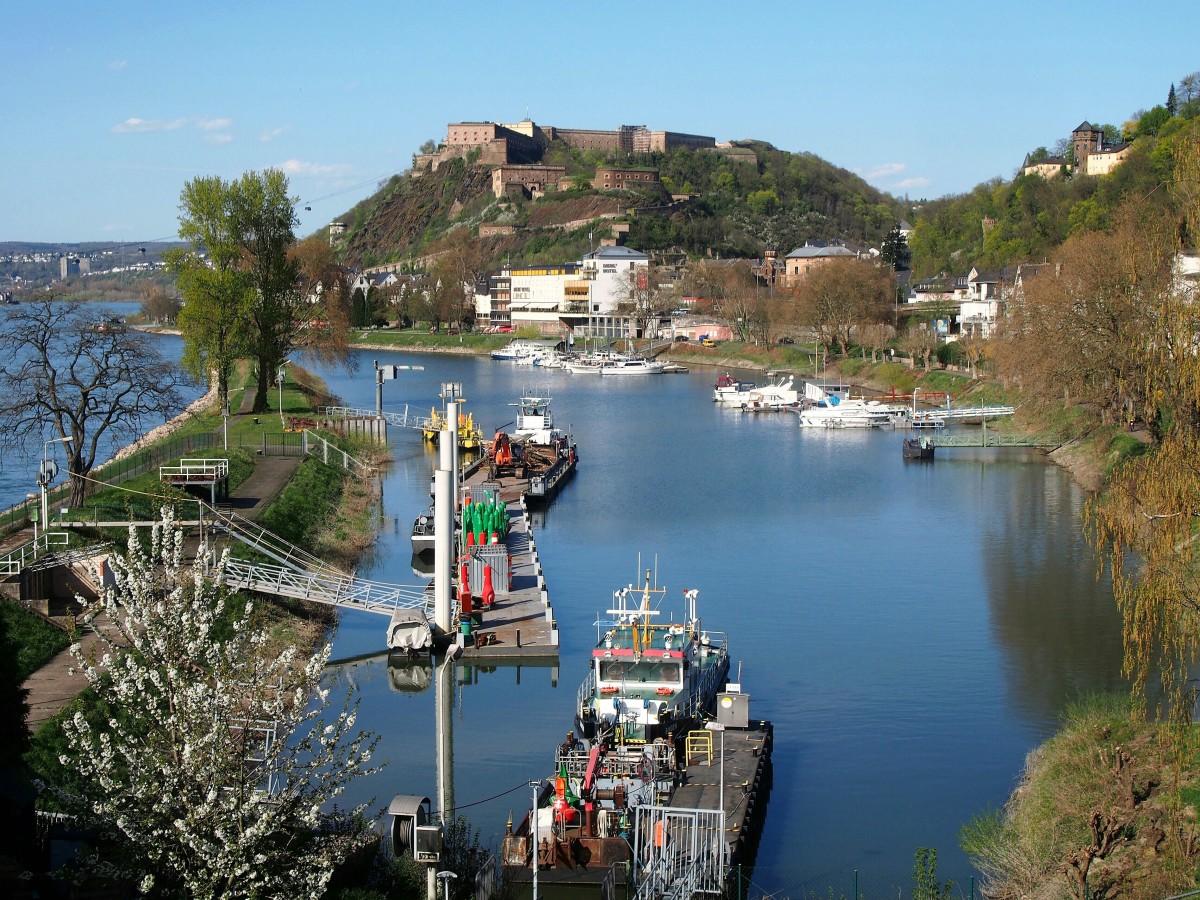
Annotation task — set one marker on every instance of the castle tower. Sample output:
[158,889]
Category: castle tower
[1086,139]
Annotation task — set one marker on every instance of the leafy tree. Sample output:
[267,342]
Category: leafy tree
[158,306]
[360,309]
[216,291]
[211,776]
[895,250]
[66,370]
[265,218]
[1151,121]
[1172,102]
[1189,87]
[841,295]
[926,885]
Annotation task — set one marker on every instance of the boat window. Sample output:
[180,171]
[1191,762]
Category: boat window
[615,669]
[646,671]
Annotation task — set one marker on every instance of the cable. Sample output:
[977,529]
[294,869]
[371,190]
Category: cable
[523,784]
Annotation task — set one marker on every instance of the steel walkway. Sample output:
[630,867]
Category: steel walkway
[960,414]
[346,592]
[400,420]
[985,438]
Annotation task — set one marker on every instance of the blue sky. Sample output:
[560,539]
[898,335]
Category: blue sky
[112,107]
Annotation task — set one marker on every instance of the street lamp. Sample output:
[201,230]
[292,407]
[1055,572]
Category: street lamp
[279,377]
[46,474]
[445,877]
[388,373]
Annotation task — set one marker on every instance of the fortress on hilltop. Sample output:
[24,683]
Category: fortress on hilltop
[523,143]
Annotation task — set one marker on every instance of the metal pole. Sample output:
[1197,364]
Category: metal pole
[378,390]
[534,785]
[443,548]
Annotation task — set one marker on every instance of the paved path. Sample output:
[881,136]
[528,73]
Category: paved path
[58,682]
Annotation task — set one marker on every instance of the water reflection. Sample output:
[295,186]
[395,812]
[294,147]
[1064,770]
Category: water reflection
[912,631]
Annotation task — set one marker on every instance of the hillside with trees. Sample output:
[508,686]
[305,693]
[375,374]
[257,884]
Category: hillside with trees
[1024,220]
[736,204]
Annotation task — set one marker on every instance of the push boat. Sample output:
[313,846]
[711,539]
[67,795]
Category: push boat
[536,449]
[918,448]
[619,799]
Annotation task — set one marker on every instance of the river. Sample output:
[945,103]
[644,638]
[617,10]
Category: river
[912,629]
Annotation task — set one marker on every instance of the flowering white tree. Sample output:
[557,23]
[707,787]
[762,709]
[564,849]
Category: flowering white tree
[213,771]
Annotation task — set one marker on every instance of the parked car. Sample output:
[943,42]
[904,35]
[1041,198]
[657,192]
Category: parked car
[708,342]
[785,340]
[681,338]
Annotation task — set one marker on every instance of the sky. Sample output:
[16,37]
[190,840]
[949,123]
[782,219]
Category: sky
[111,108]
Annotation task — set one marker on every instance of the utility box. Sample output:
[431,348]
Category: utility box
[733,709]
[429,844]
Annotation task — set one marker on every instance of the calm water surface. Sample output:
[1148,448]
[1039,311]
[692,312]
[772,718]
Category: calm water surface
[912,629]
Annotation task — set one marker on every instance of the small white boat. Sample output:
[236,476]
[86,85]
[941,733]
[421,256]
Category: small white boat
[591,363]
[635,366]
[518,350]
[830,410]
[727,386]
[777,395]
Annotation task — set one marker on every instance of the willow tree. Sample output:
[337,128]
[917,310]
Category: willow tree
[1145,524]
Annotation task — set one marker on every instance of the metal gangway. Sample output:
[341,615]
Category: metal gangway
[345,591]
[925,417]
[679,853]
[400,420]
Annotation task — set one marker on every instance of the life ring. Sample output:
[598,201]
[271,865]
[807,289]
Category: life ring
[663,692]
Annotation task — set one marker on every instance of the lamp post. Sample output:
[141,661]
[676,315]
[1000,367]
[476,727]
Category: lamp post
[225,416]
[279,376]
[388,373]
[445,877]
[46,475]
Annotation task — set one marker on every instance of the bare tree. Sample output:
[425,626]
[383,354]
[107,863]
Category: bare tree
[70,373]
[844,294]
[874,337]
[920,342]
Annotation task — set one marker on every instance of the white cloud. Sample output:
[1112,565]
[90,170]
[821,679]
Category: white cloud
[269,134]
[213,124]
[298,167]
[886,170]
[140,126]
[221,138]
[118,64]
[907,183]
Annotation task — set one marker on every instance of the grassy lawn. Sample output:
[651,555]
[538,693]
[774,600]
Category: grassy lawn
[37,641]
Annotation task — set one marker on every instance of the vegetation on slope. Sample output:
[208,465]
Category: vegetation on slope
[737,207]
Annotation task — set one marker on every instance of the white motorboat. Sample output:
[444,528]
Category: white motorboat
[828,410]
[517,350]
[591,363]
[727,386]
[777,395]
[634,366]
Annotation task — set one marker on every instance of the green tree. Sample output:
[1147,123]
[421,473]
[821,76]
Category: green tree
[895,250]
[264,217]
[1172,102]
[216,292]
[210,778]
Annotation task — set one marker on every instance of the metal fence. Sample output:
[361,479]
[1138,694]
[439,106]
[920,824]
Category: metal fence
[149,459]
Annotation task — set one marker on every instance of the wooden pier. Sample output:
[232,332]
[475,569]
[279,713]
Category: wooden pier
[520,624]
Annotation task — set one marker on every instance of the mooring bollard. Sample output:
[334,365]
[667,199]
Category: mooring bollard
[518,637]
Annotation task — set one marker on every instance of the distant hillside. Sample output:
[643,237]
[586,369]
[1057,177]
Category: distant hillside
[736,204]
